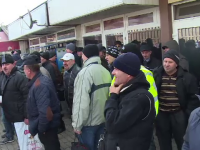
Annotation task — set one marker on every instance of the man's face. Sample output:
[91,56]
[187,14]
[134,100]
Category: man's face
[121,77]
[101,54]
[53,58]
[7,68]
[169,65]
[79,54]
[27,71]
[42,60]
[69,51]
[146,54]
[109,59]
[84,58]
[68,64]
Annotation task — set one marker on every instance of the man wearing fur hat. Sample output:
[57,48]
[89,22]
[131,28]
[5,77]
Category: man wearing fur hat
[176,93]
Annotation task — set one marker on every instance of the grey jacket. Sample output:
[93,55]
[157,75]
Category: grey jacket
[173,45]
[91,90]
[191,138]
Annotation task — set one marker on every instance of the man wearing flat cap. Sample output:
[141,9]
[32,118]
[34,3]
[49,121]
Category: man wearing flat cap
[129,111]
[14,95]
[177,91]
[42,105]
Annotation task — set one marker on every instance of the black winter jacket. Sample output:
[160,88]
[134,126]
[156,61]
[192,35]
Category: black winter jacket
[49,67]
[42,105]
[186,87]
[69,78]
[130,116]
[14,95]
[152,64]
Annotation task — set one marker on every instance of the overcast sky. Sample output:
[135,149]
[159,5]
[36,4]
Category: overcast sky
[10,10]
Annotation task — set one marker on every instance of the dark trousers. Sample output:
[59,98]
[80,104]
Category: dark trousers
[90,136]
[168,124]
[50,140]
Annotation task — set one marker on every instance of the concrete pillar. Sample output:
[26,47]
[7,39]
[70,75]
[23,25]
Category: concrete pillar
[165,21]
[79,36]
[24,47]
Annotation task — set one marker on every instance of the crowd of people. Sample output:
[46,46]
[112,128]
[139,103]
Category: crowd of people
[122,92]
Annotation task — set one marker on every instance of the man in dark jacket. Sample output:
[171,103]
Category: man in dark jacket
[14,95]
[177,99]
[150,62]
[48,66]
[71,71]
[129,111]
[111,54]
[102,51]
[71,48]
[42,105]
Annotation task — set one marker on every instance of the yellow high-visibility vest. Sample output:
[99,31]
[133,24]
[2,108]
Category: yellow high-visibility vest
[153,89]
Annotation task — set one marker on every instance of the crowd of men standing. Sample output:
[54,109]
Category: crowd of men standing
[122,92]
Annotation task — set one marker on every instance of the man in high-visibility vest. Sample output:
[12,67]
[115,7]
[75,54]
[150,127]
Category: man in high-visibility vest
[149,77]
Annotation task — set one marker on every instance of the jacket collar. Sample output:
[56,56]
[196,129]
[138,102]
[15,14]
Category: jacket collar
[30,83]
[92,60]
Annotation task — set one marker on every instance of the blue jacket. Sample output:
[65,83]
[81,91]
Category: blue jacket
[42,105]
[191,139]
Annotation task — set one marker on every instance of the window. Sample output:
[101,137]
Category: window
[51,38]
[92,39]
[66,34]
[34,42]
[140,19]
[111,39]
[114,24]
[187,10]
[92,28]
[43,39]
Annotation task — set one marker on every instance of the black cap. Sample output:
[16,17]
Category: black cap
[145,47]
[113,51]
[101,47]
[45,55]
[172,54]
[7,59]
[79,49]
[91,50]
[31,60]
[16,57]
[52,54]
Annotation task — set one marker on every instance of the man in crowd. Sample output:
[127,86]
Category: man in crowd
[130,109]
[150,62]
[111,54]
[90,93]
[118,44]
[42,105]
[71,71]
[79,53]
[48,66]
[177,99]
[102,51]
[173,45]
[71,48]
[14,94]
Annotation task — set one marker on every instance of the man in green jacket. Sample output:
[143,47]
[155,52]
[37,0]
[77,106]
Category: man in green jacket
[91,90]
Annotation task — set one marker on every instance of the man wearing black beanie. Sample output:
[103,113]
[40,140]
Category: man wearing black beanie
[129,111]
[177,91]
[91,88]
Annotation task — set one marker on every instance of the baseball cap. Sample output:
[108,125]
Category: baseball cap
[67,56]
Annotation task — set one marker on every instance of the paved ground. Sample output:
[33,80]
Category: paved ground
[65,138]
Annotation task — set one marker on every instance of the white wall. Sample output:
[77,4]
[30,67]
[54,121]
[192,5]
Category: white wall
[63,10]
[19,28]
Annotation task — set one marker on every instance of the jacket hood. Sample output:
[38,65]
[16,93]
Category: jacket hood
[138,82]
[172,45]
[91,60]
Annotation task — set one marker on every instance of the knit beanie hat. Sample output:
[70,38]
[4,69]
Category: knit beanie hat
[113,51]
[71,47]
[52,54]
[133,48]
[45,55]
[91,50]
[129,63]
[172,54]
[7,59]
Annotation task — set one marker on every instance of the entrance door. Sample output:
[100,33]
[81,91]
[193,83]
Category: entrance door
[96,39]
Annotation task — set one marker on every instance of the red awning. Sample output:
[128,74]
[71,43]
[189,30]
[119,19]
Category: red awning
[4,46]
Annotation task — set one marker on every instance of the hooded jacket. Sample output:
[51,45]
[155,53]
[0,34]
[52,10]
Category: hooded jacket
[183,62]
[191,138]
[91,90]
[130,116]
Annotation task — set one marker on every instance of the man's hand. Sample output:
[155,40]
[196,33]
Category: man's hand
[77,132]
[26,121]
[116,90]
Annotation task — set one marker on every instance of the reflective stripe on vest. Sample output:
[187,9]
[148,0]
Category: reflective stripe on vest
[153,89]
